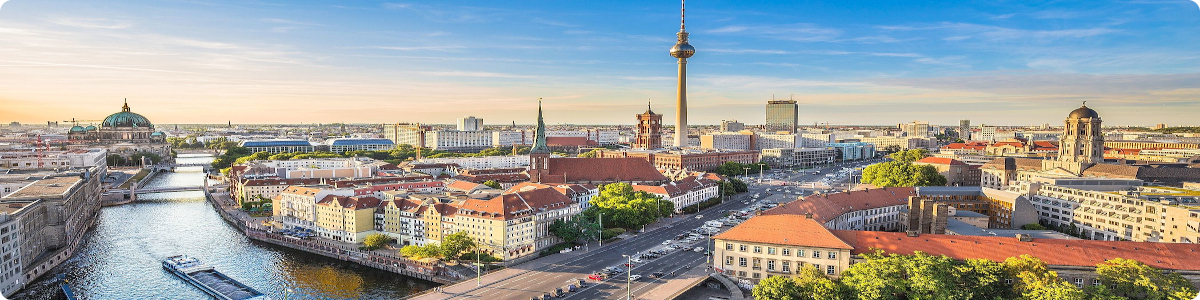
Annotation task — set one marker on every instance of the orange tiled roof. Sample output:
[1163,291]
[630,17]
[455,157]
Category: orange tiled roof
[355,203]
[513,205]
[941,161]
[828,207]
[565,170]
[784,230]
[1083,253]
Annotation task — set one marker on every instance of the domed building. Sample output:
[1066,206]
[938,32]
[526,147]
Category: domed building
[123,126]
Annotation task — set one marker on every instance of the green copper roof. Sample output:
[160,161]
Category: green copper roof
[125,118]
[539,140]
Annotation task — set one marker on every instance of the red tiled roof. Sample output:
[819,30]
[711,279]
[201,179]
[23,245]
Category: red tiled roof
[1044,145]
[1083,253]
[967,146]
[512,205]
[827,207]
[784,230]
[941,161]
[355,203]
[566,170]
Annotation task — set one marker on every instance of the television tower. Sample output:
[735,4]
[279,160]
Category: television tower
[682,51]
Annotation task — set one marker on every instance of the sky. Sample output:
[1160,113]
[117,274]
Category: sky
[1137,62]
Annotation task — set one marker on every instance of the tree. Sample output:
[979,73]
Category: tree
[1033,226]
[626,208]
[590,153]
[776,288]
[1135,280]
[1033,280]
[376,241]
[492,184]
[879,277]
[910,155]
[575,229]
[891,149]
[901,173]
[419,252]
[456,243]
[812,284]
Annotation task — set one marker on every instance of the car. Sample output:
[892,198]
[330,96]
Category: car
[666,242]
[629,265]
[699,216]
[657,275]
[596,277]
[698,249]
[636,260]
[635,277]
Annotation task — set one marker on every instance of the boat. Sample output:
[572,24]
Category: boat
[209,280]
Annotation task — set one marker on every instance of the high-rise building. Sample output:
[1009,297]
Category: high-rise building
[649,130]
[918,129]
[986,133]
[682,50]
[470,123]
[964,130]
[782,115]
[732,126]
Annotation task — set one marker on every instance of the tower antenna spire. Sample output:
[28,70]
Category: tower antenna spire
[682,13]
[647,104]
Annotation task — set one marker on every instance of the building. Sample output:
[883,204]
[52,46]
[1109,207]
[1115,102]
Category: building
[903,143]
[1118,209]
[964,130]
[481,162]
[782,116]
[815,140]
[744,141]
[546,169]
[917,129]
[928,209]
[778,140]
[649,130]
[957,173]
[853,150]
[412,134]
[44,220]
[1149,145]
[470,123]
[869,209]
[685,192]
[799,157]
[342,145]
[451,140]
[53,159]
[986,133]
[346,219]
[732,126]
[691,160]
[682,51]
[277,146]
[778,245]
[1022,148]
[124,133]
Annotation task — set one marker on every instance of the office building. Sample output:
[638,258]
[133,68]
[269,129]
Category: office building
[728,141]
[732,126]
[470,124]
[964,130]
[917,129]
[799,157]
[782,116]
[853,150]
[276,146]
[342,145]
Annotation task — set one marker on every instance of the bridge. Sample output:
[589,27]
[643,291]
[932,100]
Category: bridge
[170,189]
[172,166]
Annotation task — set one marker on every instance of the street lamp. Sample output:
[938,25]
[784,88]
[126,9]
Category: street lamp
[628,274]
[600,234]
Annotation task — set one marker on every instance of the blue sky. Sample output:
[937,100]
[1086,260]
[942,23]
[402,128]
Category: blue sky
[596,62]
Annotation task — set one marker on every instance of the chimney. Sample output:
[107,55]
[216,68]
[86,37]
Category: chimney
[913,233]
[808,216]
[1024,237]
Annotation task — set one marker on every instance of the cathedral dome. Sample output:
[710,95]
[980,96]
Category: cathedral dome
[127,119]
[76,128]
[90,128]
[1083,113]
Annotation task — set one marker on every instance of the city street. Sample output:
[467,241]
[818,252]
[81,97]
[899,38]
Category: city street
[533,279]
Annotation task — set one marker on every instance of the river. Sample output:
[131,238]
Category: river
[121,257]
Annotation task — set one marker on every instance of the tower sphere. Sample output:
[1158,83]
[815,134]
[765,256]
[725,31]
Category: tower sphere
[682,50]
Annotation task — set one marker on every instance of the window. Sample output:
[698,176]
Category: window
[728,260]
[757,249]
[771,265]
[728,246]
[816,254]
[829,270]
[771,250]
[1079,282]
[756,275]
[800,252]
[787,266]
[1008,281]
[757,264]
[741,261]
[742,248]
[1095,281]
[832,255]
[741,273]
[787,252]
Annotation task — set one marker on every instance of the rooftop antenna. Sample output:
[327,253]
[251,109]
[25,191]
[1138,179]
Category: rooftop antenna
[682,13]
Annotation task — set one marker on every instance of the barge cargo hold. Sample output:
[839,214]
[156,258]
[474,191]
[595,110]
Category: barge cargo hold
[209,280]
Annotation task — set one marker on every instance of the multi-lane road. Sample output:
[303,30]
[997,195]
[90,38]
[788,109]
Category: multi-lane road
[538,281]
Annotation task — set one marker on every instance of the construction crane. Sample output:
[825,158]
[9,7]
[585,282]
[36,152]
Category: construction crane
[41,147]
[75,122]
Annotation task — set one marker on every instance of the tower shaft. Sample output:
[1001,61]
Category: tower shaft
[681,126]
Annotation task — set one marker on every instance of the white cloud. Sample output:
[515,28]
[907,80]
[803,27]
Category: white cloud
[94,23]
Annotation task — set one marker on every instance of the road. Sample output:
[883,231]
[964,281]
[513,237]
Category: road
[535,282]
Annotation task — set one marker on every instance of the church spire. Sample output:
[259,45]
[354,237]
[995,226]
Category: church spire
[125,108]
[539,141]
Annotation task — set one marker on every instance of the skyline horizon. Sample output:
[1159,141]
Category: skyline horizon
[377,62]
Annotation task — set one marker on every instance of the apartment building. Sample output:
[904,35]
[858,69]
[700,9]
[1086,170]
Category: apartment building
[778,245]
[869,209]
[346,219]
[744,140]
[799,157]
[685,192]
[1119,210]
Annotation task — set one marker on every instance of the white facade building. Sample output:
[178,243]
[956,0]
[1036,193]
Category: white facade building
[470,123]
[484,162]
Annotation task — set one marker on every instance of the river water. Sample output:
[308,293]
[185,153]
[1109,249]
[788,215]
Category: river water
[122,256]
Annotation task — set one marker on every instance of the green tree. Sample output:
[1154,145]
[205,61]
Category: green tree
[901,173]
[492,184]
[1033,226]
[891,149]
[1134,280]
[575,229]
[812,284]
[419,252]
[623,207]
[456,243]
[1033,280]
[590,153]
[879,277]
[376,241]
[910,155]
[776,288]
